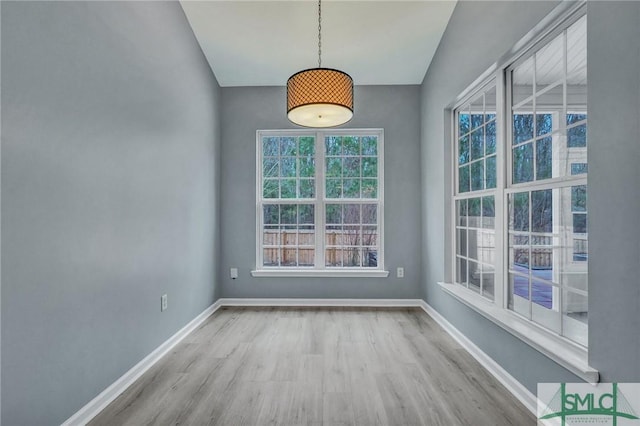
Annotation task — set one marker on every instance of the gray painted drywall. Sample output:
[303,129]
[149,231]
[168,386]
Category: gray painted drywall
[614,176]
[394,108]
[478,34]
[110,143]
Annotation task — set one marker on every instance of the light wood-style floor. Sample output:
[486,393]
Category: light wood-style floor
[317,366]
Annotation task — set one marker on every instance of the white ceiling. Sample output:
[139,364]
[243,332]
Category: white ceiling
[262,43]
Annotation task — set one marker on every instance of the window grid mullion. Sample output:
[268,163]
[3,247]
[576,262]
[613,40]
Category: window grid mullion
[320,203]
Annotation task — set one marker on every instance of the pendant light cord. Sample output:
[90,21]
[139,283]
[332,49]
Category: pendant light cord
[319,34]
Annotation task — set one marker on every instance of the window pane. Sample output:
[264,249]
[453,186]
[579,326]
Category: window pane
[523,163]
[519,252]
[351,213]
[270,167]
[462,212]
[477,175]
[463,179]
[522,126]
[369,235]
[519,294]
[307,146]
[270,188]
[288,188]
[580,223]
[579,168]
[477,112]
[334,188]
[333,256]
[369,145]
[333,145]
[490,138]
[463,150]
[351,188]
[488,212]
[369,167]
[577,46]
[351,167]
[307,167]
[473,220]
[351,145]
[488,283]
[306,257]
[461,242]
[271,214]
[333,213]
[307,188]
[577,136]
[288,167]
[519,211]
[306,213]
[541,308]
[370,258]
[544,158]
[490,104]
[541,211]
[288,213]
[464,123]
[575,316]
[544,124]
[550,63]
[573,118]
[369,213]
[288,146]
[474,276]
[334,167]
[369,188]
[477,143]
[491,172]
[522,81]
[270,146]
[580,250]
[461,269]
[472,244]
[579,198]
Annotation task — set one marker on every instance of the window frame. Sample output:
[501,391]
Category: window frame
[320,201]
[568,353]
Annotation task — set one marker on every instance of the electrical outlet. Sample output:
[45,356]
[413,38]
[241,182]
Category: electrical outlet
[233,273]
[400,272]
[164,303]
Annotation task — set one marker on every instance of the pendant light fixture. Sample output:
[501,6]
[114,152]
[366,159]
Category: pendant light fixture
[320,97]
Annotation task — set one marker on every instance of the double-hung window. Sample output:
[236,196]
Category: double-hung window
[519,202]
[320,202]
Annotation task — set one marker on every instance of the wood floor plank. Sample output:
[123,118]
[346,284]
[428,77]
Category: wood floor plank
[317,366]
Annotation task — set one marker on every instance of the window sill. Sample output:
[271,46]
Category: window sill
[569,355]
[336,273]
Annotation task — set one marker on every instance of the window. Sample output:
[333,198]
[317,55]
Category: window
[320,201]
[475,203]
[520,199]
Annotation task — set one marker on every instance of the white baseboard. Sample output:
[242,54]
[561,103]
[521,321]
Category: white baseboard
[516,388]
[100,402]
[372,303]
[95,406]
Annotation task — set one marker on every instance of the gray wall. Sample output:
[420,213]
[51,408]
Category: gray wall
[394,108]
[614,177]
[478,34]
[110,146]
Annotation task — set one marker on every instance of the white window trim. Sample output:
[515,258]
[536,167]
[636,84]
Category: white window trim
[570,355]
[563,351]
[321,270]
